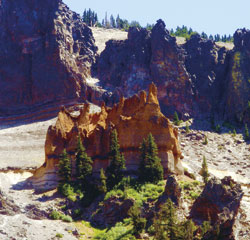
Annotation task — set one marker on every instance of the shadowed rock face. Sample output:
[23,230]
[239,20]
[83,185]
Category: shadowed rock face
[145,57]
[238,79]
[197,78]
[207,65]
[133,118]
[45,54]
[219,203]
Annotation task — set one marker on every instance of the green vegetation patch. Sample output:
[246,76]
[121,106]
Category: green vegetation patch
[55,215]
[139,192]
[191,190]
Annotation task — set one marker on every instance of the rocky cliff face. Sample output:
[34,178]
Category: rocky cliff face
[238,79]
[219,203]
[46,52]
[133,118]
[197,78]
[145,57]
[207,65]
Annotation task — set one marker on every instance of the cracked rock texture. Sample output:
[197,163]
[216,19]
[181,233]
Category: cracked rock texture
[46,52]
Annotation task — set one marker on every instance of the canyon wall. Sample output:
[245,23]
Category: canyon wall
[133,118]
[196,78]
[46,53]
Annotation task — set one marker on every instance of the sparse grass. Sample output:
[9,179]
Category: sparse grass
[119,231]
[86,230]
[191,190]
[55,215]
[140,193]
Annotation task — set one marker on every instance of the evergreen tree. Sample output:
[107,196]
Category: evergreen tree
[150,168]
[189,229]
[166,223]
[211,37]
[117,162]
[176,119]
[206,226]
[64,168]
[247,137]
[204,170]
[118,22]
[112,21]
[139,223]
[83,164]
[103,185]
[187,128]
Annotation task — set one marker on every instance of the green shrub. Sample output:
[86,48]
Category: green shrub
[247,137]
[116,192]
[67,190]
[234,132]
[59,235]
[177,121]
[205,142]
[55,215]
[193,195]
[66,218]
[218,128]
[187,128]
[77,213]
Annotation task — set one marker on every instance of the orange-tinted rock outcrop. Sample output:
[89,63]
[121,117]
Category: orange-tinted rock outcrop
[133,118]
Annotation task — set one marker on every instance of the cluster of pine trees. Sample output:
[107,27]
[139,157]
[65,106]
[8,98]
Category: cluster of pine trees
[188,32]
[165,224]
[150,169]
[91,19]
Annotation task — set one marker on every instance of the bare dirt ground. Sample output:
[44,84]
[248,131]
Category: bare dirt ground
[226,155]
[24,226]
[102,35]
[22,147]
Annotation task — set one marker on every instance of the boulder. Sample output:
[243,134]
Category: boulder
[7,206]
[172,191]
[133,118]
[46,53]
[219,203]
[112,211]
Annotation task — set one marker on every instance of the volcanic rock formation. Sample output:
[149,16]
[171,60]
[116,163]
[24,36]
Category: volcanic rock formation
[46,52]
[238,79]
[197,78]
[145,57]
[219,203]
[133,118]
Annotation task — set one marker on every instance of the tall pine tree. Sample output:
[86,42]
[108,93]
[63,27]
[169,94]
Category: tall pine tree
[204,170]
[117,162]
[166,223]
[64,168]
[150,168]
[83,164]
[102,185]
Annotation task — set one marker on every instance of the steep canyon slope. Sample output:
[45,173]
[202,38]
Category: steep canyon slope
[46,53]
[195,78]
